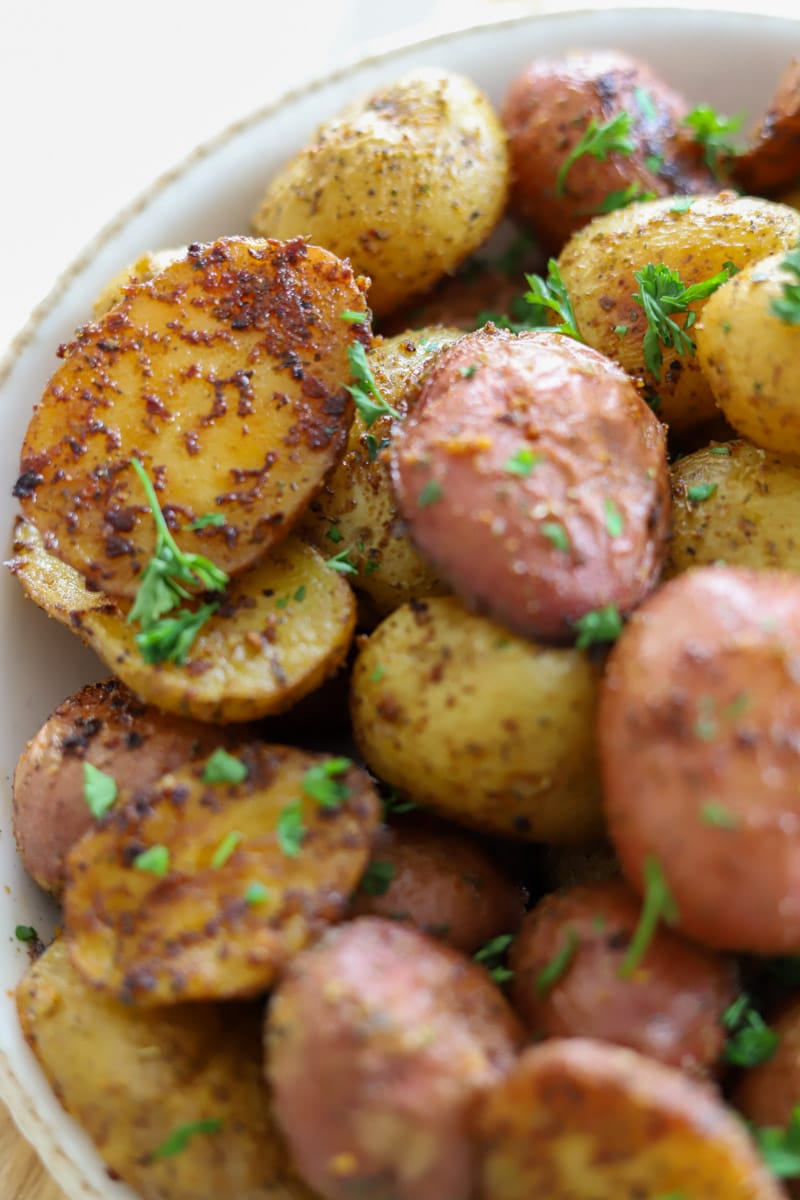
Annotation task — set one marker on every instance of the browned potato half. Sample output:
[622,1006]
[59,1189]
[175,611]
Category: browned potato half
[767,1095]
[489,730]
[403,1034]
[198,890]
[405,183]
[151,263]
[443,881]
[599,263]
[282,628]
[582,1120]
[224,375]
[772,160]
[356,510]
[104,725]
[697,728]
[579,971]
[551,111]
[748,346]
[736,504]
[174,1099]
[534,477]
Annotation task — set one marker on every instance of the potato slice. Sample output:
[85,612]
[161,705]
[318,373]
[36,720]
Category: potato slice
[151,263]
[282,628]
[224,375]
[135,1080]
[249,874]
[582,1120]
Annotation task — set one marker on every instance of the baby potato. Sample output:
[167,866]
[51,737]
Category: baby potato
[577,1119]
[534,477]
[697,728]
[599,263]
[735,503]
[550,113]
[174,1099]
[487,729]
[750,355]
[205,884]
[772,160]
[578,972]
[405,183]
[442,881]
[151,263]
[767,1095]
[403,1034]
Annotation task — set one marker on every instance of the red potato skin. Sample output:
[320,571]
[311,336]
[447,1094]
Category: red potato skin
[404,1034]
[772,161]
[768,1094]
[592,440]
[668,1009]
[547,110]
[699,707]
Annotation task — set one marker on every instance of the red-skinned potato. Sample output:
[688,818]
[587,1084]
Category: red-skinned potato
[772,160]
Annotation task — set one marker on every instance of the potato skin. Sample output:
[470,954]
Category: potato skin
[598,264]
[493,530]
[767,1095]
[404,1034]
[772,161]
[502,730]
[751,519]
[696,728]
[444,883]
[669,1008]
[548,109]
[405,183]
[751,357]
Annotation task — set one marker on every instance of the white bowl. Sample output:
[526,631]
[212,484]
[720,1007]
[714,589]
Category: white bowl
[728,59]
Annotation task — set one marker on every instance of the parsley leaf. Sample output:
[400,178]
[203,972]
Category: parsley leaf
[99,790]
[365,392]
[787,306]
[700,491]
[291,829]
[661,294]
[492,956]
[256,893]
[26,933]
[551,293]
[556,534]
[598,625]
[222,767]
[751,1040]
[321,782]
[780,1148]
[225,849]
[615,522]
[179,1139]
[431,492]
[599,141]
[377,878]
[559,964]
[632,194]
[522,462]
[171,638]
[206,521]
[341,562]
[658,904]
[712,131]
[155,861]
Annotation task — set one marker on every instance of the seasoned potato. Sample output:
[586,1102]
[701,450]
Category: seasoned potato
[533,475]
[578,973]
[151,263]
[772,160]
[768,1094]
[697,728]
[281,629]
[224,376]
[174,1099]
[403,1035]
[203,890]
[487,729]
[106,725]
[598,265]
[405,183]
[356,510]
[442,881]
[737,504]
[751,356]
[555,104]
[582,1120]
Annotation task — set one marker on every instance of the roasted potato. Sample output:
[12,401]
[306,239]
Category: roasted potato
[534,477]
[772,159]
[224,376]
[489,730]
[767,1095]
[174,1099]
[151,263]
[697,729]
[198,888]
[403,1034]
[405,183]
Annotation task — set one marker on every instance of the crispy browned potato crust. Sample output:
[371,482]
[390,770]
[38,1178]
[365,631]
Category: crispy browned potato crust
[194,931]
[224,376]
[134,1077]
[772,161]
[768,1094]
[403,1034]
[582,1120]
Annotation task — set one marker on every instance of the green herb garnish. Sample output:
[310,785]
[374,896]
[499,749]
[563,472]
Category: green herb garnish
[559,964]
[522,462]
[429,494]
[551,294]
[615,523]
[750,1041]
[598,625]
[225,849]
[712,131]
[377,878]
[155,861]
[353,317]
[26,933]
[206,521]
[492,954]
[341,563]
[291,829]
[222,767]
[787,306]
[700,491]
[599,141]
[632,194]
[99,790]
[556,534]
[365,392]
[658,905]
[718,816]
[662,294]
[256,893]
[323,784]
[180,1137]
[780,1148]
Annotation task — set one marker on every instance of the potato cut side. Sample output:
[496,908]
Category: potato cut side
[280,631]
[174,1099]
[225,376]
[237,878]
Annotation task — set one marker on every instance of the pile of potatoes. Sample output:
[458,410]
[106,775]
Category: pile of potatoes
[437,859]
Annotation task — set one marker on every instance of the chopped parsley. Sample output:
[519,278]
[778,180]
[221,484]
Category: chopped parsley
[222,767]
[599,140]
[718,816]
[787,306]
[468,372]
[551,294]
[205,521]
[559,964]
[632,194]
[378,674]
[522,462]
[721,450]
[395,803]
[780,1148]
[658,905]
[663,294]
[555,533]
[291,829]
[353,317]
[99,790]
[341,563]
[750,1041]
[256,893]
[377,878]
[155,861]
[682,204]
[179,1139]
[225,849]
[598,625]
[431,492]
[365,392]
[620,330]
[645,104]
[26,933]
[712,130]
[615,523]
[492,956]
[374,447]
[334,534]
[699,492]
[323,784]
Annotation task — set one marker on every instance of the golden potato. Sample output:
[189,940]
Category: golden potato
[735,503]
[224,376]
[151,263]
[201,889]
[174,1099]
[598,265]
[488,729]
[750,354]
[405,183]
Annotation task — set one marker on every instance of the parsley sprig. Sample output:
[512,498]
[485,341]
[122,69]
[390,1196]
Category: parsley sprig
[366,394]
[712,130]
[658,905]
[551,294]
[492,956]
[780,1148]
[750,1041]
[663,294]
[599,140]
[787,306]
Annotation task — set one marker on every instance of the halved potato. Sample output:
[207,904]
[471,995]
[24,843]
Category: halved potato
[144,267]
[236,878]
[224,375]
